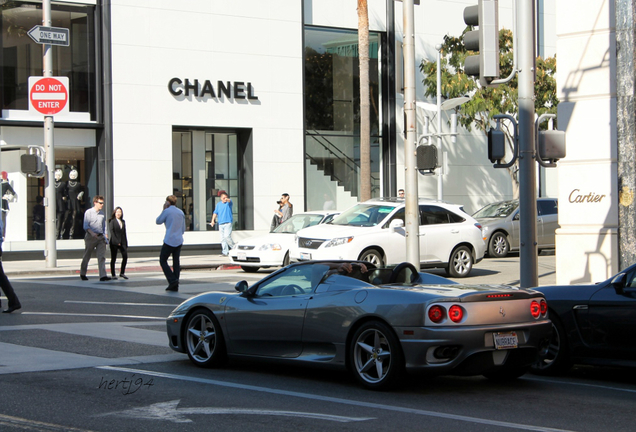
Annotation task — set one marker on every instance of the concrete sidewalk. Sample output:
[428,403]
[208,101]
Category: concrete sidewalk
[135,264]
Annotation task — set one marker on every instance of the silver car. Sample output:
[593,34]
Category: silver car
[500,225]
[377,322]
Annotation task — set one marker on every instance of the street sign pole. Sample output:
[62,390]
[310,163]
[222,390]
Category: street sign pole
[411,210]
[50,247]
[527,175]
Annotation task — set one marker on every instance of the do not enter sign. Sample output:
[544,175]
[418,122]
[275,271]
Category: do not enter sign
[48,95]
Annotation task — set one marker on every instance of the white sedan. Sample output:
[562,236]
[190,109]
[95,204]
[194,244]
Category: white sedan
[374,231]
[272,250]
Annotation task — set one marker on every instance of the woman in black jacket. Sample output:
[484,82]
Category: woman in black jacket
[118,241]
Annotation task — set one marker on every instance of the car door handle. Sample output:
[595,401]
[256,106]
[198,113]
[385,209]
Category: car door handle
[454,231]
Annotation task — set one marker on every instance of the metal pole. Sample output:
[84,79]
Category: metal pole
[528,260]
[50,251]
[411,211]
[440,170]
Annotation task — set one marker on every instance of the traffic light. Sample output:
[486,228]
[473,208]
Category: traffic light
[551,145]
[496,145]
[33,162]
[485,65]
[426,158]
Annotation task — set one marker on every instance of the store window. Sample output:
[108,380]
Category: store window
[332,115]
[205,164]
[75,185]
[21,57]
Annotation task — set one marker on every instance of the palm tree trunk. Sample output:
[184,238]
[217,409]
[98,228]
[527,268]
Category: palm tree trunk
[365,113]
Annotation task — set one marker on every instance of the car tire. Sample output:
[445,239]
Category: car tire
[499,245]
[247,269]
[504,374]
[286,260]
[460,263]
[555,359]
[373,256]
[375,356]
[204,341]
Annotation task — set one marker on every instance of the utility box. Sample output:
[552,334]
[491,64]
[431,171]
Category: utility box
[551,145]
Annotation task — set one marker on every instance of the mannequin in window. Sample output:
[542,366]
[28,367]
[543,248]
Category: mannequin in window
[75,194]
[61,198]
[8,194]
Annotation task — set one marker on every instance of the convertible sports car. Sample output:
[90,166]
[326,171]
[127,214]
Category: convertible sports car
[593,324]
[378,322]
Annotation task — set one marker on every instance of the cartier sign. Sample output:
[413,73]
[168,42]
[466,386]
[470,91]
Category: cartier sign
[577,197]
[202,89]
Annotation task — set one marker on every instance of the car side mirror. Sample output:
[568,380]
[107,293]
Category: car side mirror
[516,217]
[241,286]
[618,283]
[396,223]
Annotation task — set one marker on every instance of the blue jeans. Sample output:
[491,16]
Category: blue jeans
[226,237]
[172,275]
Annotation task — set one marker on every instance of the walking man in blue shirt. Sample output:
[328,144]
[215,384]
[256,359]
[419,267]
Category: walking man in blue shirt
[223,213]
[174,219]
[95,238]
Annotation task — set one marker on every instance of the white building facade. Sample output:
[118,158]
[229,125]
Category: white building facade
[252,97]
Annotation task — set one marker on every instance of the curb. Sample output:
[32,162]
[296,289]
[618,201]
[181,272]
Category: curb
[75,272]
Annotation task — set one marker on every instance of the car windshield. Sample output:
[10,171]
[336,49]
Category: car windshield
[497,210]
[364,215]
[298,222]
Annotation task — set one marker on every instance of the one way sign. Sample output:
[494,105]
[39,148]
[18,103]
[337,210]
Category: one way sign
[50,35]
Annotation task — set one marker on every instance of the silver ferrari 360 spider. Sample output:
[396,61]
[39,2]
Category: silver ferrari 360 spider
[378,322]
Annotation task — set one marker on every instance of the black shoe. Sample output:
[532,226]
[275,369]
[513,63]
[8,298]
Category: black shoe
[104,279]
[12,308]
[114,278]
[123,276]
[173,287]
[82,277]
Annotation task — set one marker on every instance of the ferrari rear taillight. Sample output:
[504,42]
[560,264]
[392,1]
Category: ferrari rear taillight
[544,307]
[456,313]
[436,314]
[535,309]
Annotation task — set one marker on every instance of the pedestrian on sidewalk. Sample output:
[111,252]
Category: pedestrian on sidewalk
[223,212]
[174,219]
[95,238]
[7,289]
[118,242]
[287,209]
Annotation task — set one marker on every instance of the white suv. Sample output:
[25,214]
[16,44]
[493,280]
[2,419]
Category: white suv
[374,231]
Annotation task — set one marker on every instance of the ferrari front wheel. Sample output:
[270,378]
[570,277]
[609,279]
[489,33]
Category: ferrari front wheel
[204,341]
[375,356]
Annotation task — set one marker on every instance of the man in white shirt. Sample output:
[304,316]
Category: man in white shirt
[95,238]
[174,219]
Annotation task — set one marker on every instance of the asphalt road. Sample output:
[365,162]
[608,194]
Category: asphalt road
[94,356]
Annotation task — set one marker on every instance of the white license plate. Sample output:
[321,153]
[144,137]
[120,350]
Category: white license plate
[505,340]
[305,256]
[242,256]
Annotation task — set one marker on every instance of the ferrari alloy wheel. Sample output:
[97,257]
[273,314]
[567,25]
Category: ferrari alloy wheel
[375,356]
[460,263]
[204,341]
[554,359]
[499,246]
[373,256]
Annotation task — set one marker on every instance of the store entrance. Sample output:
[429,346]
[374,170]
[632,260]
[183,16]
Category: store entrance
[205,164]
